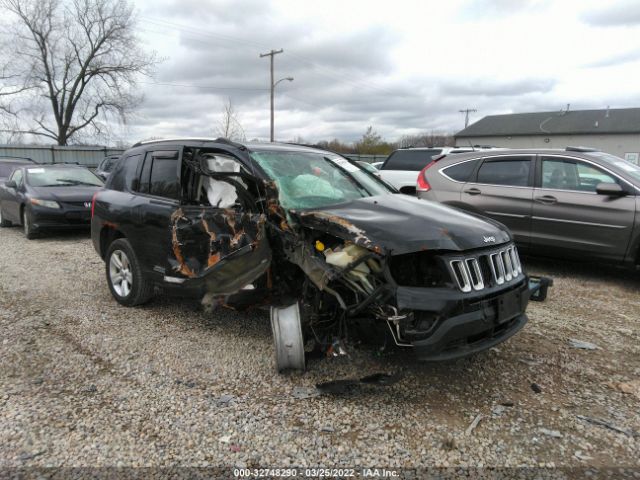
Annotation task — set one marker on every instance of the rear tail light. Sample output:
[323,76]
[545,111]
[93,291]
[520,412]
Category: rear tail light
[93,203]
[423,184]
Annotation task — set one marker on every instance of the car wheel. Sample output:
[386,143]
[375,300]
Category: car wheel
[286,326]
[126,281]
[3,222]
[27,224]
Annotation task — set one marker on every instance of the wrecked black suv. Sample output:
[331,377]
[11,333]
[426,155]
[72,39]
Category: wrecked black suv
[335,251]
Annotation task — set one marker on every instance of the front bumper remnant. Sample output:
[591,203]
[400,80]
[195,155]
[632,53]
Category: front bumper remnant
[479,324]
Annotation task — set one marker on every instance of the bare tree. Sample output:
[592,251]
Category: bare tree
[80,59]
[229,125]
[427,139]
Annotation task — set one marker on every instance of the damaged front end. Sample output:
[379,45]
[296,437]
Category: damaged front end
[340,258]
[442,303]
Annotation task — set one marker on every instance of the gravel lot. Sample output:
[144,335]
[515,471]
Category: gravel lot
[85,382]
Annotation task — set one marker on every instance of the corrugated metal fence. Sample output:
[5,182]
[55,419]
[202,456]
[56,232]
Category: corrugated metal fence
[89,156]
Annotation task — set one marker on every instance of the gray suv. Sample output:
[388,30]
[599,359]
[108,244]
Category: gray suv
[577,202]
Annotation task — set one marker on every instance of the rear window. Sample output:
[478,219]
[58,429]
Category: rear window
[412,160]
[512,171]
[123,177]
[461,172]
[109,163]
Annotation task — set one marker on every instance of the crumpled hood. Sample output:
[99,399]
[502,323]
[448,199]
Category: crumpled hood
[65,194]
[401,224]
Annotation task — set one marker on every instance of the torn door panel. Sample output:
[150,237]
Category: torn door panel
[226,246]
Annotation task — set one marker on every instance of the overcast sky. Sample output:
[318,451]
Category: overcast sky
[403,67]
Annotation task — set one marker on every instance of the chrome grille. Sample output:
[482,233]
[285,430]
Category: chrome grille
[503,266]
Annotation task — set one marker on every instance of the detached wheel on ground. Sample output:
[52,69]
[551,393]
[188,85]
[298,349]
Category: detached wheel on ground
[27,224]
[127,283]
[3,222]
[286,325]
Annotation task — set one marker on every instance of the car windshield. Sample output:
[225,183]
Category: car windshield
[631,169]
[62,177]
[311,180]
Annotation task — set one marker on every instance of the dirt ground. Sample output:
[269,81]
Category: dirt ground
[86,382]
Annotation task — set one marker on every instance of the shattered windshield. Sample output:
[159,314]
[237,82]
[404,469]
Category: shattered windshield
[311,180]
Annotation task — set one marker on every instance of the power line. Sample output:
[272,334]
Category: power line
[212,87]
[322,70]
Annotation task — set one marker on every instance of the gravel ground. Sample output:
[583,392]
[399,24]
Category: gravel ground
[86,382]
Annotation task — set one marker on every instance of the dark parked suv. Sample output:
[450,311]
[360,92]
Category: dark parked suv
[577,203]
[328,245]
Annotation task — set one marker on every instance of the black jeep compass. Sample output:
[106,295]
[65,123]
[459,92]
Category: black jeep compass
[334,250]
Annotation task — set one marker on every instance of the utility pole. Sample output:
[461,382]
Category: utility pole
[466,112]
[271,54]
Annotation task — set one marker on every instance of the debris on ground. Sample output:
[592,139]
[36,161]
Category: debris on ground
[225,439]
[348,385]
[498,410]
[550,433]
[225,400]
[473,425]
[536,388]
[532,362]
[581,456]
[305,392]
[583,345]
[604,423]
[631,387]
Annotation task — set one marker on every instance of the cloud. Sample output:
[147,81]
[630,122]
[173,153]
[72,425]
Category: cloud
[626,13]
[615,60]
[498,88]
[403,68]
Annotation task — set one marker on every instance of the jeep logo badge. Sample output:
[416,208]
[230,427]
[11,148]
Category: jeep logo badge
[489,239]
[87,204]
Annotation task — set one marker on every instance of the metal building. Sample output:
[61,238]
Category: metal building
[615,131]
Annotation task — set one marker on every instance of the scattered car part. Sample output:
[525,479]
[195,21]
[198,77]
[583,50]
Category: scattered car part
[286,326]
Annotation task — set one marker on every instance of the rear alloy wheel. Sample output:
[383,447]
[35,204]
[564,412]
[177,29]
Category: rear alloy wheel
[27,224]
[124,275]
[3,222]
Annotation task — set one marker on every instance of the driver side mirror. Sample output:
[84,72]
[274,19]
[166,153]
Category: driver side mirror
[610,189]
[11,184]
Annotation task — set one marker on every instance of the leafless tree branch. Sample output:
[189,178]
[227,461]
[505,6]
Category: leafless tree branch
[80,60]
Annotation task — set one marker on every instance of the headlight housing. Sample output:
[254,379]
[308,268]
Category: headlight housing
[44,203]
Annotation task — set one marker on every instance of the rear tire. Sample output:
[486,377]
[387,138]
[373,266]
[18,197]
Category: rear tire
[126,281]
[3,222]
[27,224]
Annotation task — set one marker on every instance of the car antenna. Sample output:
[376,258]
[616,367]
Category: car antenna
[472,147]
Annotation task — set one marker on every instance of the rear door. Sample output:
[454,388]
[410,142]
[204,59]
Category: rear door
[158,192]
[569,215]
[502,189]
[448,182]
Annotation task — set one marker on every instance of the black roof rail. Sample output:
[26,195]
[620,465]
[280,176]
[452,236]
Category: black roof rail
[581,149]
[226,141]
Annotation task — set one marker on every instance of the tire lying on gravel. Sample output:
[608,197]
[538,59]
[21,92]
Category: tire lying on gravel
[126,281]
